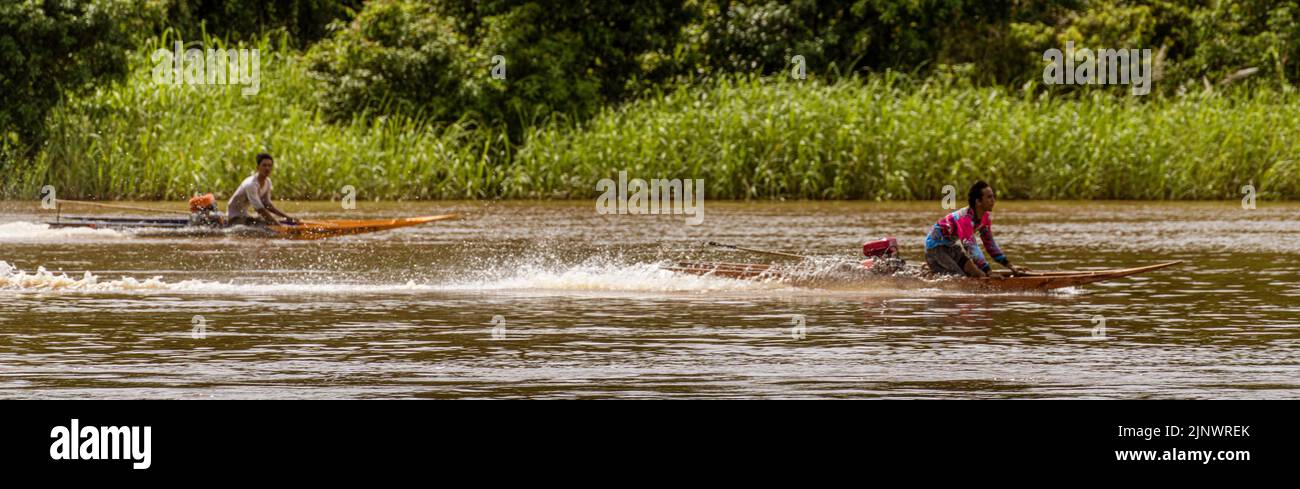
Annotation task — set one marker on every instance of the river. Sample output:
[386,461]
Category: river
[553,300]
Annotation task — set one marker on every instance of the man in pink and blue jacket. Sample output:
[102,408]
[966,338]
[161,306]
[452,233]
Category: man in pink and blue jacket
[943,253]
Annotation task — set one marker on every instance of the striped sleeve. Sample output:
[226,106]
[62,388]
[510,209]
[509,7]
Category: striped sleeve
[986,235]
[975,254]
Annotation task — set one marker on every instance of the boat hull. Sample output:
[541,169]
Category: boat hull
[1005,281]
[305,230]
[333,228]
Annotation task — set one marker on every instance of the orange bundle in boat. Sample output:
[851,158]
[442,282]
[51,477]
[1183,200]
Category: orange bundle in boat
[203,202]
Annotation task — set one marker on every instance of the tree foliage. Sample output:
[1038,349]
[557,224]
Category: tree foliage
[51,46]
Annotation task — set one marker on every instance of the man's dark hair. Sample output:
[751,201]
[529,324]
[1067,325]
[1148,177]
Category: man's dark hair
[264,156]
[976,191]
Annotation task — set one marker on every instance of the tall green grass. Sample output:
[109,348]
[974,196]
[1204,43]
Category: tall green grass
[888,138]
[140,140]
[882,138]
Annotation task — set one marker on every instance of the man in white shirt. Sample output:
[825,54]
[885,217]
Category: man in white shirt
[255,191]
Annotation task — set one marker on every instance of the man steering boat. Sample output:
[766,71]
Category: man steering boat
[945,256]
[255,192]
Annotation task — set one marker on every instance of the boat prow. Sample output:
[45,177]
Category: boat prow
[342,227]
[1057,280]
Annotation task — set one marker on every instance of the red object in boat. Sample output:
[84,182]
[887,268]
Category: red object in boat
[887,246]
[203,202]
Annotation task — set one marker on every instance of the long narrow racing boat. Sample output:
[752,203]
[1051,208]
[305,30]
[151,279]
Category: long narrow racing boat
[306,229]
[1028,281]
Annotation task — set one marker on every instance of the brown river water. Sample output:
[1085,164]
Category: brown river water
[552,300]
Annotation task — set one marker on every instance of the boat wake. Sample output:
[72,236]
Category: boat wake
[12,278]
[603,276]
[592,276]
[613,274]
[21,231]
[42,280]
[589,277]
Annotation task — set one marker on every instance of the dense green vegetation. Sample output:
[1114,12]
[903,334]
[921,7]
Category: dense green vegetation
[902,97]
[140,140]
[894,139]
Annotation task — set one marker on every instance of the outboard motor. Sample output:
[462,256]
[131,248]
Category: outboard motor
[203,211]
[884,247]
[882,256]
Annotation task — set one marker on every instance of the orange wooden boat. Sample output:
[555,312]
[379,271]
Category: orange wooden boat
[332,228]
[304,230]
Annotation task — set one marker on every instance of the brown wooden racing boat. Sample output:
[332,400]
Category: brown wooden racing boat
[1045,280]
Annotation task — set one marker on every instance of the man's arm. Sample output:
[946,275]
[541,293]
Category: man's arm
[976,258]
[266,215]
[253,191]
[270,208]
[995,251]
[273,209]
